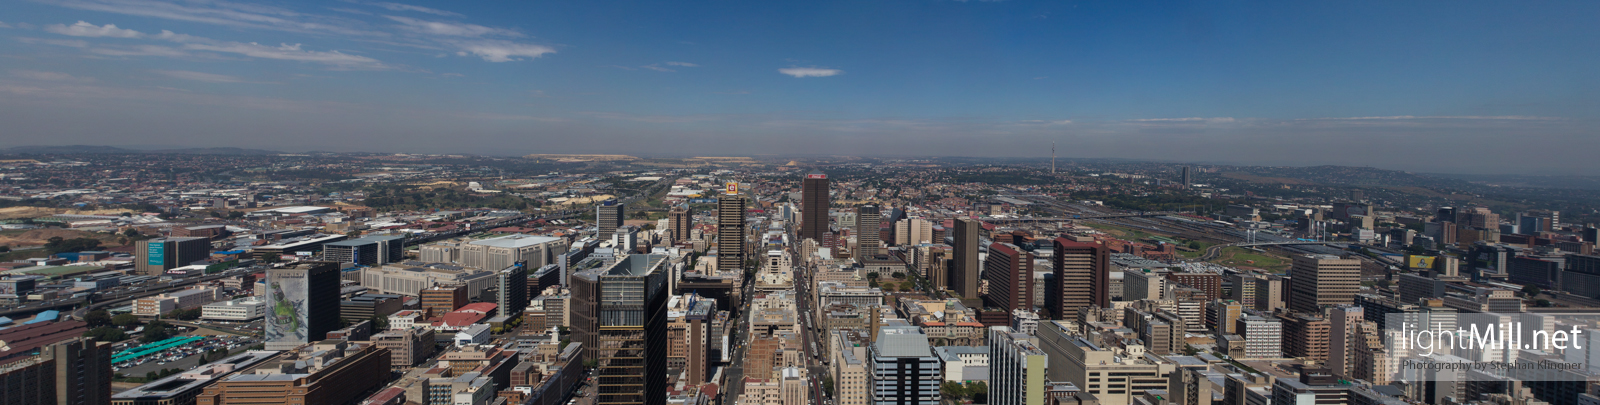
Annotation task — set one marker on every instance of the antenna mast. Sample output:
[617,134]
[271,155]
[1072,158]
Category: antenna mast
[1052,157]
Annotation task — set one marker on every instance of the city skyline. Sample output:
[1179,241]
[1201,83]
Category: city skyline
[1415,86]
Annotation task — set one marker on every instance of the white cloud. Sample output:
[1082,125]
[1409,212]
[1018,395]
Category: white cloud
[200,76]
[49,76]
[657,68]
[140,50]
[85,29]
[684,64]
[408,7]
[503,51]
[71,43]
[810,72]
[450,28]
[291,52]
[226,13]
[170,36]
[4,25]
[1047,122]
[1188,119]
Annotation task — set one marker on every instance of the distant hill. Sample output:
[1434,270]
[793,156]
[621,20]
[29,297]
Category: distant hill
[107,150]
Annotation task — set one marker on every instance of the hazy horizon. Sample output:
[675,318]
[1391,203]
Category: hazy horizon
[1435,87]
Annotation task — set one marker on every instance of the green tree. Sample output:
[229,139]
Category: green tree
[379,322]
[1531,290]
[873,276]
[827,386]
[155,331]
[887,287]
[1543,303]
[124,320]
[953,390]
[107,334]
[97,318]
[899,275]
[1195,245]
[907,286]
[978,391]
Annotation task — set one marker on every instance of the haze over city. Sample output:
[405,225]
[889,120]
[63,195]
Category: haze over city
[1420,86]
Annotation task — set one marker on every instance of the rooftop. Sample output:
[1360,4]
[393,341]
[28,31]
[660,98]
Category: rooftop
[515,241]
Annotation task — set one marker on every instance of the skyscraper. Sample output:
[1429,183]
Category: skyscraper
[964,264]
[1016,368]
[619,313]
[1317,280]
[1082,278]
[608,217]
[814,206]
[904,368]
[75,371]
[679,222]
[1188,176]
[154,257]
[511,286]
[730,229]
[302,304]
[1009,271]
[867,232]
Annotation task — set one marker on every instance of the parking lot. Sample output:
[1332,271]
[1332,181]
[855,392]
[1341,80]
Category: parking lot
[182,356]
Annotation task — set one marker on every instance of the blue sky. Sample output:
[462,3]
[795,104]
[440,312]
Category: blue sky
[1498,87]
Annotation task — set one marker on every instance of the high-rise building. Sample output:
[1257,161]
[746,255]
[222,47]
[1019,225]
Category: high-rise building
[1082,278]
[964,263]
[1318,280]
[75,371]
[904,369]
[368,251]
[154,257]
[608,216]
[1188,176]
[1016,368]
[867,232]
[1305,336]
[1343,338]
[730,230]
[302,302]
[1263,337]
[1009,270]
[679,222]
[619,313]
[814,202]
[511,286]
[438,300]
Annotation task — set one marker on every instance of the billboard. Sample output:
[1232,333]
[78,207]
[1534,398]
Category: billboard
[286,297]
[157,253]
[1419,261]
[733,188]
[816,176]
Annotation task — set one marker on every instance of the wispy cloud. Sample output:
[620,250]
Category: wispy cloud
[1437,117]
[408,7]
[49,76]
[4,25]
[657,68]
[508,117]
[139,50]
[683,64]
[70,43]
[229,14]
[453,29]
[1208,120]
[85,29]
[655,119]
[201,76]
[501,50]
[810,72]
[1047,122]
[291,52]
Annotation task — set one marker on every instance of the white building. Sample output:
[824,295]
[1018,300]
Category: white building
[478,333]
[502,252]
[243,309]
[1263,337]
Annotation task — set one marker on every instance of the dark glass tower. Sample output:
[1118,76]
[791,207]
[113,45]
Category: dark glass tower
[814,206]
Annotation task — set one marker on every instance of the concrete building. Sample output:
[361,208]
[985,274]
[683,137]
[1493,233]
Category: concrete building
[608,216]
[868,244]
[409,278]
[331,372]
[964,258]
[439,300]
[1222,316]
[1009,271]
[848,366]
[679,223]
[154,257]
[75,371]
[1082,278]
[407,347]
[239,310]
[1114,375]
[511,289]
[1143,284]
[618,313]
[730,230]
[292,294]
[183,388]
[367,251]
[494,254]
[904,370]
[1016,369]
[1305,336]
[183,299]
[1318,280]
[814,202]
[1263,337]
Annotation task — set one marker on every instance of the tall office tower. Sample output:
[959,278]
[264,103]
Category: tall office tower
[937,259]
[1082,278]
[154,257]
[1343,338]
[814,204]
[697,357]
[1016,368]
[438,300]
[1591,234]
[730,230]
[867,232]
[964,263]
[302,304]
[608,217]
[904,369]
[679,222]
[1188,176]
[1009,271]
[1318,280]
[1305,336]
[619,313]
[511,287]
[75,371]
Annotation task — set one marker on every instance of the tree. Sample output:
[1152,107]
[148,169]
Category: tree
[352,234]
[827,386]
[1531,290]
[1195,245]
[107,334]
[953,390]
[97,318]
[873,276]
[887,287]
[907,286]
[154,332]
[124,320]
[379,322]
[899,275]
[1543,303]
[978,391]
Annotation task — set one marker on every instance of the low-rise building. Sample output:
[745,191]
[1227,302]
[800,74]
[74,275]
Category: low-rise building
[239,310]
[329,372]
